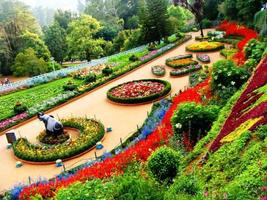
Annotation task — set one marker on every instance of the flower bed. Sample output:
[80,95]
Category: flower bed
[205,46]
[139,91]
[91,132]
[180,61]
[250,106]
[50,139]
[158,70]
[115,165]
[203,58]
[185,70]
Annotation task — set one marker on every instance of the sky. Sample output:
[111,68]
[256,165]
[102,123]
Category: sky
[62,4]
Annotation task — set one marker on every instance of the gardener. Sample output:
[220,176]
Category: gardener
[52,126]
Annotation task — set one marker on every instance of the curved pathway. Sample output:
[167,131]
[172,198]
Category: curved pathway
[123,120]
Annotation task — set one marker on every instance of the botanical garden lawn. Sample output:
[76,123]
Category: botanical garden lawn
[32,96]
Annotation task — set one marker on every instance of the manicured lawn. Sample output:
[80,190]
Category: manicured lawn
[30,97]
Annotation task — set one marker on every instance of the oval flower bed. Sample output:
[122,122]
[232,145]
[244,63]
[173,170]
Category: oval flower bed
[91,132]
[205,46]
[203,58]
[139,91]
[180,61]
[185,70]
[158,70]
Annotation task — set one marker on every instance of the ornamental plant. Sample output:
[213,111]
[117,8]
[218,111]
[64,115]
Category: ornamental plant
[19,108]
[164,164]
[193,121]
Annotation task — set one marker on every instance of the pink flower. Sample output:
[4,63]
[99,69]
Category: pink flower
[264,198]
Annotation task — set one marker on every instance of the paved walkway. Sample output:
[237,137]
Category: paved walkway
[123,120]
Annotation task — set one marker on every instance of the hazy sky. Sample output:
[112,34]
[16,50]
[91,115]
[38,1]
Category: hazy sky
[63,4]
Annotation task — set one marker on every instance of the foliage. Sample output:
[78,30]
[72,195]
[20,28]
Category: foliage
[133,58]
[194,120]
[107,71]
[28,64]
[91,132]
[210,9]
[19,108]
[197,78]
[69,86]
[158,70]
[227,78]
[81,38]
[254,50]
[90,78]
[180,61]
[185,70]
[55,39]
[153,20]
[63,18]
[260,22]
[164,164]
[206,23]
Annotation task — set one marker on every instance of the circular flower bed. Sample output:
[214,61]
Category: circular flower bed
[139,91]
[158,70]
[91,132]
[185,70]
[205,46]
[180,61]
[203,58]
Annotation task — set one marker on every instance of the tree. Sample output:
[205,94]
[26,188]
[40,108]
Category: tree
[195,7]
[28,64]
[154,20]
[63,18]
[81,38]
[15,19]
[211,9]
[32,40]
[260,21]
[55,39]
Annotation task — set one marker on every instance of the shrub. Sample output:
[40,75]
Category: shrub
[206,23]
[164,163]
[194,119]
[133,58]
[107,71]
[19,108]
[254,49]
[69,86]
[90,78]
[227,78]
[28,64]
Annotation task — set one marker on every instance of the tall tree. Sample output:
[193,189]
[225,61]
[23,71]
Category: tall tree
[82,40]
[55,39]
[154,20]
[63,18]
[260,21]
[195,7]
[15,19]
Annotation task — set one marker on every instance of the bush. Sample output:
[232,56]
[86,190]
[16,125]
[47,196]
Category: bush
[133,58]
[69,86]
[107,71]
[254,49]
[19,108]
[206,23]
[227,78]
[193,118]
[164,163]
[28,64]
[90,78]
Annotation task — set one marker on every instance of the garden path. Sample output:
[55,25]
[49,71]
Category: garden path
[123,120]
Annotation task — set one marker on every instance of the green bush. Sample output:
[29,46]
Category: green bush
[164,164]
[107,71]
[28,64]
[194,118]
[206,23]
[69,86]
[19,108]
[133,58]
[254,49]
[227,78]
[90,78]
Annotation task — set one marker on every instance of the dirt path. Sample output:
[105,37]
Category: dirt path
[123,120]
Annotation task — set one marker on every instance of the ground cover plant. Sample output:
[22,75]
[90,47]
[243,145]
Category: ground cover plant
[205,46]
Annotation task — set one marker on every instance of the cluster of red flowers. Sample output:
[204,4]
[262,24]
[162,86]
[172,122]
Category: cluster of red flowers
[137,89]
[231,28]
[239,113]
[116,165]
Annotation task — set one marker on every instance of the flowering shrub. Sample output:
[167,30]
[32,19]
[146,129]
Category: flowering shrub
[251,104]
[90,133]
[205,46]
[139,91]
[158,70]
[115,165]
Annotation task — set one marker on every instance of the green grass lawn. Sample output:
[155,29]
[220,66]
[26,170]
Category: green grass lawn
[32,96]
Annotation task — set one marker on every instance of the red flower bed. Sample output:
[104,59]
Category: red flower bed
[137,89]
[232,28]
[116,165]
[239,113]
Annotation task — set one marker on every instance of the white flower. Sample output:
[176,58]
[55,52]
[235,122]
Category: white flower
[178,126]
[223,87]
[232,83]
[229,74]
